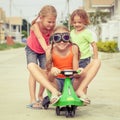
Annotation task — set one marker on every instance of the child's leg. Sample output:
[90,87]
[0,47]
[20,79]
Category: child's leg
[42,64]
[40,94]
[41,77]
[32,89]
[90,72]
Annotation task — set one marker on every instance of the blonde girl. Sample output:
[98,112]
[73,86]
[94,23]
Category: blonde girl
[36,49]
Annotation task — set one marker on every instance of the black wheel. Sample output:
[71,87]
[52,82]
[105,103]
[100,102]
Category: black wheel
[67,113]
[46,106]
[46,102]
[72,113]
[57,110]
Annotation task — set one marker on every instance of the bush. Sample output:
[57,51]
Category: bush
[5,46]
[107,46]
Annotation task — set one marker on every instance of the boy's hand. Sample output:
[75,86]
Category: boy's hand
[79,72]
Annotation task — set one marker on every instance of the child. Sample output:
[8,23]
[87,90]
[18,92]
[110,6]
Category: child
[36,48]
[83,37]
[65,55]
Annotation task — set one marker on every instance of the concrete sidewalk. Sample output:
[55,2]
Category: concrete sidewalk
[14,94]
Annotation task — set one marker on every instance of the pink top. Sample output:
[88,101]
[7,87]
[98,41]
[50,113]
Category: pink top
[34,44]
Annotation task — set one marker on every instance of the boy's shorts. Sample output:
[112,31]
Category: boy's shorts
[33,57]
[84,62]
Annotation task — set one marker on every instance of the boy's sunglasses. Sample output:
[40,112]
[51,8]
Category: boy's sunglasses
[58,37]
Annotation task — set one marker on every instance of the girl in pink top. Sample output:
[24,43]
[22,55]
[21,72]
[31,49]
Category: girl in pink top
[36,48]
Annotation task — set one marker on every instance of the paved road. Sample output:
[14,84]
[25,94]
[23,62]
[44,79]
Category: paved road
[14,95]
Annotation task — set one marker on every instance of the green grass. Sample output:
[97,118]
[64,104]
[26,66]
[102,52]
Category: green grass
[5,46]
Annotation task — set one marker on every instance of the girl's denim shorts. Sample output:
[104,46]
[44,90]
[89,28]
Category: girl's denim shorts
[60,83]
[33,57]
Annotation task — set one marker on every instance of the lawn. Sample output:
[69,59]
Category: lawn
[5,46]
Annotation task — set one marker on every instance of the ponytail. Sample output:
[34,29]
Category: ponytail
[34,21]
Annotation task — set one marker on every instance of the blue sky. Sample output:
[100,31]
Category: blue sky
[29,8]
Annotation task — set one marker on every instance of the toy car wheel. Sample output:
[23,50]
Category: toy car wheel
[46,106]
[67,114]
[57,110]
[72,113]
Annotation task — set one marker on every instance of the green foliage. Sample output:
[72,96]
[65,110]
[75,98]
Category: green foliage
[99,16]
[24,33]
[107,46]
[5,46]
[25,27]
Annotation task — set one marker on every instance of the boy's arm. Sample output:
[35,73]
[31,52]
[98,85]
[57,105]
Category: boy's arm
[38,34]
[76,58]
[95,50]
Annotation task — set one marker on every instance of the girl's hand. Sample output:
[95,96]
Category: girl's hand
[48,48]
[55,71]
[80,70]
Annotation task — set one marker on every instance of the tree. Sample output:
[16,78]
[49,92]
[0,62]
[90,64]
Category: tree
[98,17]
[25,27]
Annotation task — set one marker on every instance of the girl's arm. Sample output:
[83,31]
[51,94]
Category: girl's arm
[95,50]
[76,58]
[49,58]
[38,34]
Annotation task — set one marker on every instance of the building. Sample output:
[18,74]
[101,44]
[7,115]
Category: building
[2,21]
[13,27]
[111,29]
[102,5]
[10,26]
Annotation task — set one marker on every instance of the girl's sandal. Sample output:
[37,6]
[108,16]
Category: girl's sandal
[85,99]
[54,99]
[35,105]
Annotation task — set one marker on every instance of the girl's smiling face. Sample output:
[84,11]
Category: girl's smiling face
[61,45]
[48,22]
[78,23]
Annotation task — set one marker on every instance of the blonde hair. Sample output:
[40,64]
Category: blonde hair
[62,27]
[83,15]
[45,11]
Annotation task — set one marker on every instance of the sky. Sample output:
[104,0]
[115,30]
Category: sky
[28,9]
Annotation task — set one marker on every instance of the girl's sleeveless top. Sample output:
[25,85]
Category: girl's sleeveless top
[34,44]
[63,63]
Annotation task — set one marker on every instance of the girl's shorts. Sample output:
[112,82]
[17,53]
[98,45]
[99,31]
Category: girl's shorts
[33,57]
[60,83]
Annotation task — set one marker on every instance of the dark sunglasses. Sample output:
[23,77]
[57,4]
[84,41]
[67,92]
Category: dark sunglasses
[58,37]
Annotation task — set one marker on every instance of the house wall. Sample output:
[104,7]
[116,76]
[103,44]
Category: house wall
[111,31]
[10,26]
[2,20]
[14,28]
[2,33]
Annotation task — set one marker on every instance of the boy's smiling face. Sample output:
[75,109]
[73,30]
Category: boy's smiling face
[78,23]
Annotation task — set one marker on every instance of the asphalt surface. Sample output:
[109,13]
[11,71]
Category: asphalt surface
[14,94]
